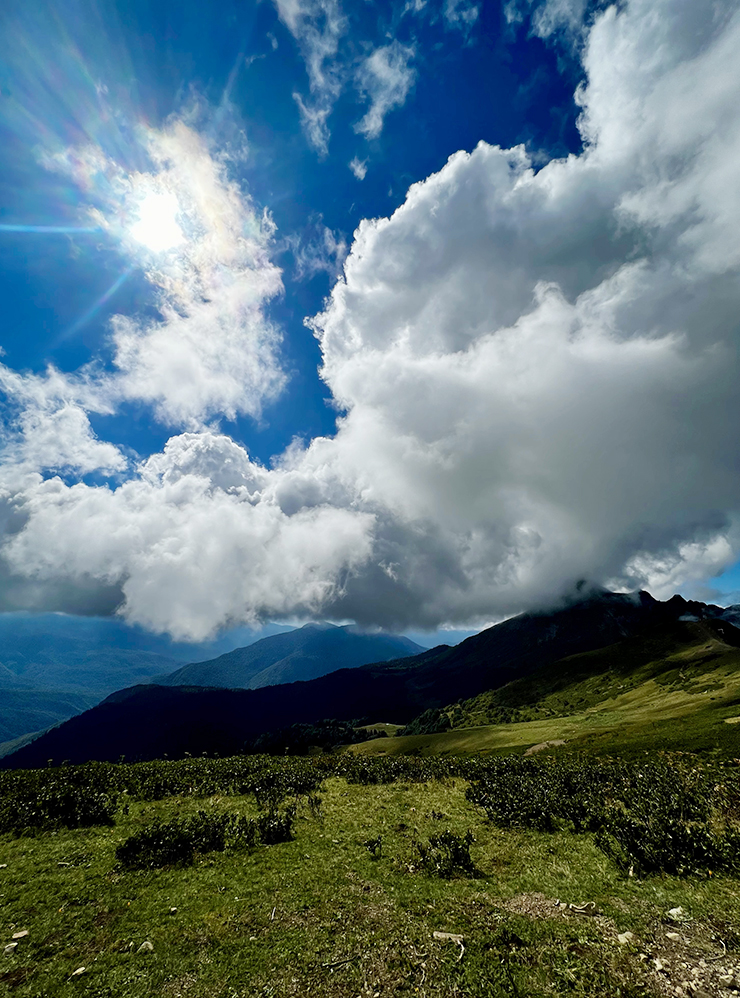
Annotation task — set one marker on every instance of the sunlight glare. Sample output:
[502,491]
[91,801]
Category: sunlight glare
[157,227]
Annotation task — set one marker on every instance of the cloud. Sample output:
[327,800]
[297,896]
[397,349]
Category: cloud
[460,14]
[319,250]
[317,26]
[358,167]
[539,368]
[47,426]
[385,79]
[549,17]
[195,539]
[537,371]
[211,352]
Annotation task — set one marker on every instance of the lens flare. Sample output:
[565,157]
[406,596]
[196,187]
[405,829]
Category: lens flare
[157,227]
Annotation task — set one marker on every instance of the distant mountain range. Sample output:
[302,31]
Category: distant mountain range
[305,653]
[54,665]
[146,722]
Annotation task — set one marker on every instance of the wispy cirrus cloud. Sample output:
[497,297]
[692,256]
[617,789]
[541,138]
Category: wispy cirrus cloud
[385,78]
[460,14]
[358,167]
[317,26]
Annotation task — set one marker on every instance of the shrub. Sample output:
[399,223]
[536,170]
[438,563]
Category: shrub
[47,799]
[174,843]
[431,722]
[275,827]
[648,817]
[447,855]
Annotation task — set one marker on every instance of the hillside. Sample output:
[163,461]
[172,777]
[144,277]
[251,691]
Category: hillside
[54,665]
[149,721]
[306,653]
[391,878]
[674,687]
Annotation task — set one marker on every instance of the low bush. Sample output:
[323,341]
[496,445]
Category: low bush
[447,855]
[174,843]
[43,800]
[648,817]
[275,827]
[178,842]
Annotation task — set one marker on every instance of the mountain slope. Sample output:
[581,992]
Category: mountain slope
[676,687]
[56,651]
[305,653]
[146,722]
[34,710]
[674,653]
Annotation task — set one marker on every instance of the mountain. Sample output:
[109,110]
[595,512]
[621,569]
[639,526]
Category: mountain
[672,687]
[61,651]
[149,721]
[54,665]
[305,653]
[23,711]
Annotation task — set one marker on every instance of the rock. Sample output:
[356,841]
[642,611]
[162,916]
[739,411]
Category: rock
[677,914]
[451,937]
[673,936]
[625,937]
[146,947]
[173,911]
[76,973]
[3,866]
[10,949]
[20,935]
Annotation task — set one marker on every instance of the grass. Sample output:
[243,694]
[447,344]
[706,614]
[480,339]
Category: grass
[322,915]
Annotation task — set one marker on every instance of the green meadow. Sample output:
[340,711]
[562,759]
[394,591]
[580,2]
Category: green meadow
[350,904]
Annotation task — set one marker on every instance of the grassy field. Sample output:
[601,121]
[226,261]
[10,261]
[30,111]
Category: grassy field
[335,912]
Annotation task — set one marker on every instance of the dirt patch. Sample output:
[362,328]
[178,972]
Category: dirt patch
[689,959]
[681,958]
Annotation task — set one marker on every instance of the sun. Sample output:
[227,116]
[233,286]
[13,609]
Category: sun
[157,227]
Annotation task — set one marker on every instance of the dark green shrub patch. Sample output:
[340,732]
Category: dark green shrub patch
[431,722]
[174,843]
[649,817]
[447,855]
[298,739]
[42,800]
[276,826]
[178,842]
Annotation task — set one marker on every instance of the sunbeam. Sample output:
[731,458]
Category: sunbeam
[54,230]
[94,308]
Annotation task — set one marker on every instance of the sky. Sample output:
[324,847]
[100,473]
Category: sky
[414,314]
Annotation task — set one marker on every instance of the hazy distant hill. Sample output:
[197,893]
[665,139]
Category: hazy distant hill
[306,653]
[146,722]
[61,651]
[23,711]
[54,665]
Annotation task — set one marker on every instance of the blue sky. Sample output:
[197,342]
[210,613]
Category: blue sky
[481,79]
[524,397]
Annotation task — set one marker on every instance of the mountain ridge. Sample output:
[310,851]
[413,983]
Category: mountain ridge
[305,653]
[149,721]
